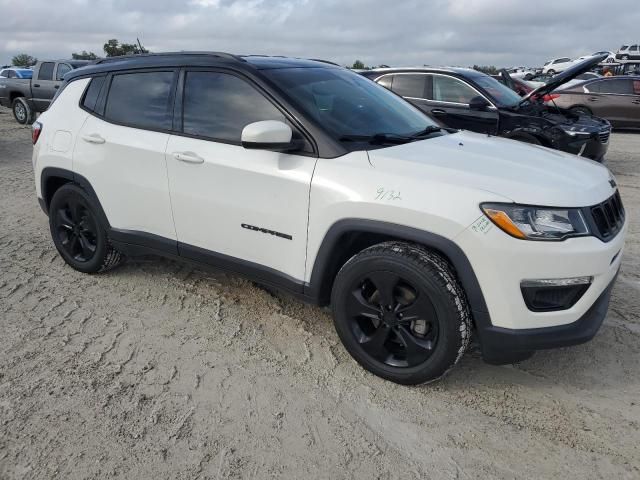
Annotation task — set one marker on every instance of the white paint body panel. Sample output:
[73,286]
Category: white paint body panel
[129,175]
[235,186]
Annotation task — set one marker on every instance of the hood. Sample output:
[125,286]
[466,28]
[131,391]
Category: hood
[517,171]
[566,76]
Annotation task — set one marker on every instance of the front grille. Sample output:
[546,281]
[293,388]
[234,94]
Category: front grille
[608,216]
[604,134]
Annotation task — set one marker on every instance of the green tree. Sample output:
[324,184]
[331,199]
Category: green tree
[113,48]
[23,60]
[488,69]
[84,56]
[358,65]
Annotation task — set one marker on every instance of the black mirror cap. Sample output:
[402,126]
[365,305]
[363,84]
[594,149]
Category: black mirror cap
[479,103]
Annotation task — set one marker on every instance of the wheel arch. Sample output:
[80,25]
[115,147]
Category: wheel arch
[52,178]
[579,105]
[347,237]
[15,94]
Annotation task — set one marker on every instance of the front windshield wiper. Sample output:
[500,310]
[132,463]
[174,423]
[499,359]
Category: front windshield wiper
[378,138]
[391,138]
[428,131]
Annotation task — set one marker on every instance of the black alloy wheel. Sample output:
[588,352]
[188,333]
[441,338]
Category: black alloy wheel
[391,320]
[400,312]
[78,234]
[76,229]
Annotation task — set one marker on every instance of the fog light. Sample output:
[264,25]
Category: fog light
[548,295]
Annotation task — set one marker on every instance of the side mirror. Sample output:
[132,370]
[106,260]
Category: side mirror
[479,103]
[267,135]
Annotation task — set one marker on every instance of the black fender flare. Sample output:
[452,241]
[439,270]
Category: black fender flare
[55,172]
[331,244]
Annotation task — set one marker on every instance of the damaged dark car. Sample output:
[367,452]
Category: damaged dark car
[470,100]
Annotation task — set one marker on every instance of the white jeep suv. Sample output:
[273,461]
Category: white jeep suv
[311,179]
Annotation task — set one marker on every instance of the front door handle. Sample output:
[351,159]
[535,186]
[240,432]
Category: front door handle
[37,85]
[438,111]
[593,99]
[188,157]
[93,138]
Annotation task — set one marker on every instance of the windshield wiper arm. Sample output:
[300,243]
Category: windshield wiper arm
[377,138]
[427,131]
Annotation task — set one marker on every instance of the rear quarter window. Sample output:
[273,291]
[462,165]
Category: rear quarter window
[92,93]
[141,100]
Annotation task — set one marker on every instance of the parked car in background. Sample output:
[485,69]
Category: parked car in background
[28,95]
[13,72]
[581,78]
[610,56]
[557,65]
[615,98]
[467,99]
[628,52]
[521,72]
[324,184]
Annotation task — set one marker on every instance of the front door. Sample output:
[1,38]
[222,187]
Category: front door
[449,103]
[241,208]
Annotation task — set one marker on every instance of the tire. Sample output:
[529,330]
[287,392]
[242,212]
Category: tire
[428,327]
[581,111]
[625,57]
[551,72]
[77,233]
[22,111]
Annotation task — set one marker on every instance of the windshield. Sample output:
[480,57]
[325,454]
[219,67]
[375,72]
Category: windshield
[500,93]
[347,104]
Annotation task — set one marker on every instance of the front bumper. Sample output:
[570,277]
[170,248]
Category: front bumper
[594,147]
[503,345]
[508,330]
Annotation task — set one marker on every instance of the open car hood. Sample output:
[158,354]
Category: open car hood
[566,76]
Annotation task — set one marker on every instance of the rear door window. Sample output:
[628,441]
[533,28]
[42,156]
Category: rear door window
[62,69]
[634,48]
[410,85]
[46,71]
[141,100]
[219,105]
[618,86]
[452,90]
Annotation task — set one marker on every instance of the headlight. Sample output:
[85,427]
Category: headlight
[536,223]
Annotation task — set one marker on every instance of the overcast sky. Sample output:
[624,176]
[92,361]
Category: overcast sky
[392,32]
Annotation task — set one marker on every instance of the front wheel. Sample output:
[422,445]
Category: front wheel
[78,234]
[400,312]
[22,111]
[551,72]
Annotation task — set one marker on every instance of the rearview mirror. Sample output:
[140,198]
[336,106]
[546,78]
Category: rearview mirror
[267,135]
[479,103]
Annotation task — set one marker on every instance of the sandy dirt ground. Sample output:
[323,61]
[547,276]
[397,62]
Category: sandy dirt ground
[159,370]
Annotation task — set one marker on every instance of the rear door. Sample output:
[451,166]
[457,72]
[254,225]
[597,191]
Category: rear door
[449,103]
[615,100]
[121,151]
[43,86]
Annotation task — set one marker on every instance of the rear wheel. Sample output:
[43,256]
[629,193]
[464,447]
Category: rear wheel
[401,313]
[551,72]
[22,112]
[77,233]
[581,111]
[625,57]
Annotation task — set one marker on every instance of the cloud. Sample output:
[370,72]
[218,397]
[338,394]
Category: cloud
[408,32]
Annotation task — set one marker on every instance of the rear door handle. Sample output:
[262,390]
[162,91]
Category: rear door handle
[438,111]
[188,157]
[93,138]
[593,99]
[57,87]
[37,85]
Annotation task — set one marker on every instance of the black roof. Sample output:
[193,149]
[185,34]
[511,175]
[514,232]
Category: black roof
[196,59]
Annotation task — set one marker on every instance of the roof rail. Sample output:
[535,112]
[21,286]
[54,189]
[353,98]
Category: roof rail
[168,54]
[325,61]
